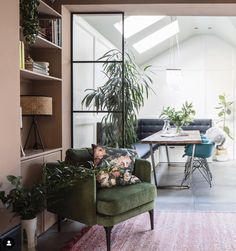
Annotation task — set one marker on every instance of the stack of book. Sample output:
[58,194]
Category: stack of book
[51,30]
[38,67]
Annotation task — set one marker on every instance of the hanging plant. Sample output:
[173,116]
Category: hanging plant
[29,20]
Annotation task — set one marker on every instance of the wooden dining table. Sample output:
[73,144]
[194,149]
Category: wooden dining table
[183,138]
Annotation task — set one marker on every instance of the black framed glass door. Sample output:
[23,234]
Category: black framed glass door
[97,76]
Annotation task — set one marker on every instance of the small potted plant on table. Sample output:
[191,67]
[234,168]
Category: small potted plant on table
[181,117]
[26,203]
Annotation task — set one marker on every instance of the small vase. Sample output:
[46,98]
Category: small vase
[178,129]
[30,229]
[166,126]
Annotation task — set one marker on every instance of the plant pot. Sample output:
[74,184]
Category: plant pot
[221,155]
[29,227]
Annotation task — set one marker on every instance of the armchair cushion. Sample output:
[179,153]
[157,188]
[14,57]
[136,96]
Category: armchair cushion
[115,166]
[117,200]
[79,157]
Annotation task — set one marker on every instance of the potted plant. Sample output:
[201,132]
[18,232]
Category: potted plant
[29,20]
[26,203]
[224,111]
[116,95]
[180,117]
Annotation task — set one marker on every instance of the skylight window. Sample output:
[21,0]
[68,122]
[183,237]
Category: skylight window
[157,37]
[134,24]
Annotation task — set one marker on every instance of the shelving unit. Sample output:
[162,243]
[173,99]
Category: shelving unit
[44,43]
[45,9]
[38,153]
[50,127]
[30,75]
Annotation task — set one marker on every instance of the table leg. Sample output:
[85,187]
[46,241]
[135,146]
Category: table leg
[167,155]
[155,177]
[191,166]
[153,164]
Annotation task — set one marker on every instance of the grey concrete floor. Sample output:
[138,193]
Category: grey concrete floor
[220,197]
[200,197]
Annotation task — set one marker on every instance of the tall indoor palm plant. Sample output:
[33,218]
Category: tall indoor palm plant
[116,96]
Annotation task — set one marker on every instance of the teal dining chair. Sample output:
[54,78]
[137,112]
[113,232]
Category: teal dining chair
[202,152]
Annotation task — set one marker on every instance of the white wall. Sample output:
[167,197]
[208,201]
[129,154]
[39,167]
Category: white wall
[208,69]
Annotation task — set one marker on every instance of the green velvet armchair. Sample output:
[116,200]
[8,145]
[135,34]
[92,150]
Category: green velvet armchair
[90,205]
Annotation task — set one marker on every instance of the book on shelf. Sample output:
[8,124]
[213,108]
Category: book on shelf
[50,28]
[37,66]
[39,71]
[22,54]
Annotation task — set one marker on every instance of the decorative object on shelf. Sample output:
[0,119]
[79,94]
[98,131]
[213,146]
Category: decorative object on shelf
[224,110]
[108,97]
[29,20]
[36,106]
[26,203]
[181,117]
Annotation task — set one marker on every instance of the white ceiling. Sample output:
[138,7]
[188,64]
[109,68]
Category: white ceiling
[223,27]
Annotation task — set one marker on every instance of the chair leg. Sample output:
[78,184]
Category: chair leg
[58,223]
[108,237]
[151,214]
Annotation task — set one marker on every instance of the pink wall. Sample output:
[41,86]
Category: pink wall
[9,93]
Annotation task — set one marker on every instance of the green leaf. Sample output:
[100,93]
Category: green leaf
[222,98]
[136,86]
[226,130]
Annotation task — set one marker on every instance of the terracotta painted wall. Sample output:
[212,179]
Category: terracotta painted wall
[66,81]
[9,94]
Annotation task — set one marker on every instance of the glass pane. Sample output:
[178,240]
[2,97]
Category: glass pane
[93,128]
[90,79]
[94,35]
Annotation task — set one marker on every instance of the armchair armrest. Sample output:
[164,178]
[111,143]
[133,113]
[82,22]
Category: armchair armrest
[142,169]
[77,202]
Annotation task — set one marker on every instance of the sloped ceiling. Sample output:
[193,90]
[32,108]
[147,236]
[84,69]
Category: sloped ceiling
[223,27]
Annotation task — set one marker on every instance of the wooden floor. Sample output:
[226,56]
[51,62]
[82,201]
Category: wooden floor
[200,197]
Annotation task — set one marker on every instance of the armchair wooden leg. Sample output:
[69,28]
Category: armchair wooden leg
[151,214]
[108,237]
[58,223]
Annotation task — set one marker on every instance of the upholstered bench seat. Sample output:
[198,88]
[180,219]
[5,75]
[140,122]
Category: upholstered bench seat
[143,150]
[127,198]
[147,127]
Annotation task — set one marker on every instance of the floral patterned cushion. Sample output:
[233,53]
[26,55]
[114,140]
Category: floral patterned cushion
[114,166]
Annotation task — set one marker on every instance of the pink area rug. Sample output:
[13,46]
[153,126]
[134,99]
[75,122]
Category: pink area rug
[174,231]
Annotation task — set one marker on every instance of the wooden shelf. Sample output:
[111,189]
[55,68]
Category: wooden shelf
[30,153]
[44,43]
[26,74]
[45,9]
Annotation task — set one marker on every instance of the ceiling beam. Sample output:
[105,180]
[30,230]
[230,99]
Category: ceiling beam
[68,2]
